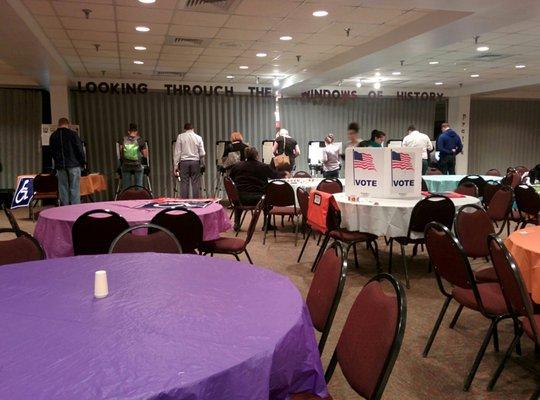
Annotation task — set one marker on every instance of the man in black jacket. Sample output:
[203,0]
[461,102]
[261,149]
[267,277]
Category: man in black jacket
[68,155]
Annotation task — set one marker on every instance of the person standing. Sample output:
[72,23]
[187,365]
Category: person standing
[420,140]
[68,155]
[330,158]
[189,157]
[285,144]
[132,150]
[449,146]
[234,151]
[352,135]
[377,139]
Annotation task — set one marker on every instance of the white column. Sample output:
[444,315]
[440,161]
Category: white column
[458,117]
[59,101]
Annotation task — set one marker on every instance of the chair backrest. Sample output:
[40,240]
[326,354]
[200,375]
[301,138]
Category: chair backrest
[473,226]
[511,179]
[371,337]
[527,200]
[20,249]
[280,194]
[11,218]
[424,186]
[254,219]
[330,186]
[303,201]
[94,231]
[434,208]
[500,204]
[185,225]
[326,289]
[493,172]
[490,189]
[477,180]
[135,193]
[521,169]
[45,183]
[302,174]
[232,191]
[433,171]
[161,240]
[467,189]
[511,281]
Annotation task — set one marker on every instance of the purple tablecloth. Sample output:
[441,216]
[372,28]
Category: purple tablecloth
[53,228]
[173,326]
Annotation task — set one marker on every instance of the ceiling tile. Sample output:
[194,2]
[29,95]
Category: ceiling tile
[188,31]
[199,19]
[266,8]
[255,23]
[95,36]
[143,14]
[241,34]
[181,50]
[292,26]
[136,38]
[74,9]
[39,7]
[101,25]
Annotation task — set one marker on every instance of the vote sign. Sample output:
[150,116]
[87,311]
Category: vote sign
[23,192]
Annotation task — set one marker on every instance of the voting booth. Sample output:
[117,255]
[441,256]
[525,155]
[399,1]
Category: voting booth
[383,172]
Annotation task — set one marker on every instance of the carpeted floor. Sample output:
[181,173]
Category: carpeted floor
[441,374]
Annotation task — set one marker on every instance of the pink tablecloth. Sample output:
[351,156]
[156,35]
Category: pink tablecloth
[53,228]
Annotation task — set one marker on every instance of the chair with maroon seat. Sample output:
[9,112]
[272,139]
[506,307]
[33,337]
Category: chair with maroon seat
[234,201]
[330,186]
[499,207]
[433,171]
[528,204]
[326,289]
[302,174]
[490,189]
[517,300]
[234,246]
[20,249]
[493,172]
[94,231]
[511,179]
[467,189]
[521,169]
[452,266]
[45,187]
[436,208]
[477,180]
[134,193]
[370,340]
[158,240]
[184,224]
[11,218]
[280,200]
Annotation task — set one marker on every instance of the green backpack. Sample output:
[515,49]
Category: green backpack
[131,151]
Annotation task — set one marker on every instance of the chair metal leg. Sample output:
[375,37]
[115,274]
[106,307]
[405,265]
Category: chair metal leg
[296,226]
[405,266]
[516,331]
[244,213]
[304,245]
[248,257]
[436,327]
[236,256]
[275,227]
[496,339]
[479,355]
[507,355]
[320,252]
[266,222]
[375,250]
[319,240]
[536,394]
[390,255]
[355,256]
[456,316]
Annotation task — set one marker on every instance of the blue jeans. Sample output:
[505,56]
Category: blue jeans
[69,185]
[127,173]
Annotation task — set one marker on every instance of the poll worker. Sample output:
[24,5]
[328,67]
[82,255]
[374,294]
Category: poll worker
[352,135]
[68,155]
[449,146]
[251,177]
[420,140]
[132,150]
[234,151]
[331,153]
[285,145]
[377,139]
[189,157]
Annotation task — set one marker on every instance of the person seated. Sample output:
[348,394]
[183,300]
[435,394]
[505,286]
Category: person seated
[251,177]
[330,158]
[234,151]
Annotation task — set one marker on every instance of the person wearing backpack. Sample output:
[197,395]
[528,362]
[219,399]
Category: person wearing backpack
[132,150]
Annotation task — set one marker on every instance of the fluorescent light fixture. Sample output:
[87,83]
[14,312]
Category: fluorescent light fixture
[285,38]
[438,83]
[482,48]
[142,28]
[261,55]
[138,62]
[230,76]
[358,84]
[396,73]
[520,66]
[474,75]
[433,62]
[140,48]
[243,67]
[320,13]
[276,82]
[377,85]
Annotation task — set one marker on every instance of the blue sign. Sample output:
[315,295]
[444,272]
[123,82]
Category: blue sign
[24,192]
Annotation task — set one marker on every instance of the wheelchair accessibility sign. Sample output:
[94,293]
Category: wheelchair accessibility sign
[24,192]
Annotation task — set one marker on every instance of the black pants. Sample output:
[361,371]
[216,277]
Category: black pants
[247,199]
[331,174]
[448,164]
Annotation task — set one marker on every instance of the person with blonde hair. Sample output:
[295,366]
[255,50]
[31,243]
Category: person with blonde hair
[235,151]
[287,146]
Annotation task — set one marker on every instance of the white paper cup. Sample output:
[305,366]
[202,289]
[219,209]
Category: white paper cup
[101,287]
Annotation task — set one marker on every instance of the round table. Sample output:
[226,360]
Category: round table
[53,228]
[173,326]
[449,183]
[383,217]
[524,245]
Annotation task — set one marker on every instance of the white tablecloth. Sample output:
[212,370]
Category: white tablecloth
[383,217]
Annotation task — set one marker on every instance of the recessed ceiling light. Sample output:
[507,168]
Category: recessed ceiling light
[433,62]
[320,13]
[377,74]
[482,48]
[396,73]
[474,75]
[243,67]
[285,38]
[377,85]
[147,1]
[520,66]
[140,48]
[358,84]
[276,82]
[138,62]
[438,83]
[261,55]
[230,76]
[142,28]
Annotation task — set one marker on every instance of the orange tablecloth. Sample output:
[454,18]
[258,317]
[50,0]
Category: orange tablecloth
[93,183]
[525,247]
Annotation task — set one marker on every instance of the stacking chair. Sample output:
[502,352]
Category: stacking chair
[184,224]
[45,187]
[499,207]
[11,218]
[493,172]
[234,246]
[326,289]
[330,186]
[528,204]
[452,266]
[303,202]
[517,300]
[433,171]
[371,338]
[302,174]
[160,240]
[436,208]
[234,200]
[20,249]
[477,180]
[94,231]
[280,200]
[490,189]
[473,226]
[521,169]
[134,193]
[511,179]
[468,189]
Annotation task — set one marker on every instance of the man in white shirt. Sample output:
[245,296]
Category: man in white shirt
[418,139]
[189,162]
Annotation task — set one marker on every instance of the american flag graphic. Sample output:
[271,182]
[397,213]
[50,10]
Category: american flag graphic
[401,161]
[363,161]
